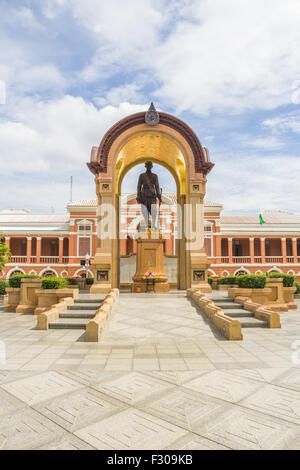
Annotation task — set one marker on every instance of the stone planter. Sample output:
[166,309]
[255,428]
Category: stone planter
[259,296]
[49,297]
[13,301]
[225,286]
[28,298]
[288,295]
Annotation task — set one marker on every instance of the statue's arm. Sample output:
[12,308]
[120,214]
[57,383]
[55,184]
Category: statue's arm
[157,188]
[139,189]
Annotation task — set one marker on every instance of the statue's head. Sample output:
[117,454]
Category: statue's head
[148,165]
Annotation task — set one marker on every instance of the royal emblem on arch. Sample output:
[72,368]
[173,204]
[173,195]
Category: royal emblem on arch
[152,116]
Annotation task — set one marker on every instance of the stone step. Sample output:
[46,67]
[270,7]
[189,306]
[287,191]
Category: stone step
[84,306]
[78,313]
[252,323]
[228,305]
[238,313]
[69,324]
[88,299]
[75,314]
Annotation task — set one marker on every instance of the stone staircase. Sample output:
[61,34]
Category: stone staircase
[79,314]
[234,310]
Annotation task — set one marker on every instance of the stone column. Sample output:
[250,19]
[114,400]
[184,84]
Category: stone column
[251,246]
[295,254]
[199,262]
[60,250]
[230,250]
[7,242]
[106,257]
[38,249]
[263,250]
[218,253]
[283,250]
[29,243]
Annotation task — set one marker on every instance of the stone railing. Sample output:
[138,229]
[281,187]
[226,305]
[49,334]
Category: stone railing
[95,326]
[51,315]
[260,312]
[227,326]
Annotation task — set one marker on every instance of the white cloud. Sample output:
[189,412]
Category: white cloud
[48,142]
[284,122]
[208,56]
[128,92]
[27,19]
[255,182]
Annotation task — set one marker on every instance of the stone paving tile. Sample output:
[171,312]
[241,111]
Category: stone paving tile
[9,404]
[27,430]
[192,441]
[174,377]
[67,442]
[184,408]
[79,409]
[38,388]
[131,429]
[289,378]
[243,429]
[275,401]
[132,388]
[223,385]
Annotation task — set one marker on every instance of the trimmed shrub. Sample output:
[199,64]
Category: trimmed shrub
[252,281]
[288,279]
[228,280]
[71,281]
[296,284]
[54,283]
[3,285]
[90,280]
[15,281]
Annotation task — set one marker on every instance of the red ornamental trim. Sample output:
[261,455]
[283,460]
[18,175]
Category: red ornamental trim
[202,165]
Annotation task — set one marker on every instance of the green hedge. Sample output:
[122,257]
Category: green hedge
[3,285]
[288,279]
[72,281]
[252,281]
[89,281]
[228,280]
[15,281]
[296,284]
[55,283]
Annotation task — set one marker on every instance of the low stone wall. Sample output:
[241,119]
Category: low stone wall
[51,315]
[49,297]
[95,326]
[227,326]
[274,297]
[260,312]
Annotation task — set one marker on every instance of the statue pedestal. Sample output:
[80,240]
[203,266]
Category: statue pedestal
[150,259]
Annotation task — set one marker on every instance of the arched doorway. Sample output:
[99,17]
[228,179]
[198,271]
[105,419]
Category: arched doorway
[131,221]
[172,144]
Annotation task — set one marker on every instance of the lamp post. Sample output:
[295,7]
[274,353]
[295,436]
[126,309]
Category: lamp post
[87,263]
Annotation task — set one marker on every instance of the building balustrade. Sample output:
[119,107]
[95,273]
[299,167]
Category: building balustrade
[241,259]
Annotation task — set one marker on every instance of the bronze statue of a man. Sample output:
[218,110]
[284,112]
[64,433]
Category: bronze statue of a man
[147,193]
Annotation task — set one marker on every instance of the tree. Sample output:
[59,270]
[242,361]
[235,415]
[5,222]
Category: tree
[5,253]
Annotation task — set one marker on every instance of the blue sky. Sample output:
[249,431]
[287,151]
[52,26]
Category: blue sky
[69,69]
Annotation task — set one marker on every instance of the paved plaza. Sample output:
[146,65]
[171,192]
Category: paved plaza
[161,378]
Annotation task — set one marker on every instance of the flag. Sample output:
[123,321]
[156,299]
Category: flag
[261,220]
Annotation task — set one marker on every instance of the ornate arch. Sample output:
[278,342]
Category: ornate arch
[99,162]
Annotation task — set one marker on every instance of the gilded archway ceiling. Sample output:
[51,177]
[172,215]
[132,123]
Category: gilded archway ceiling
[152,146]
